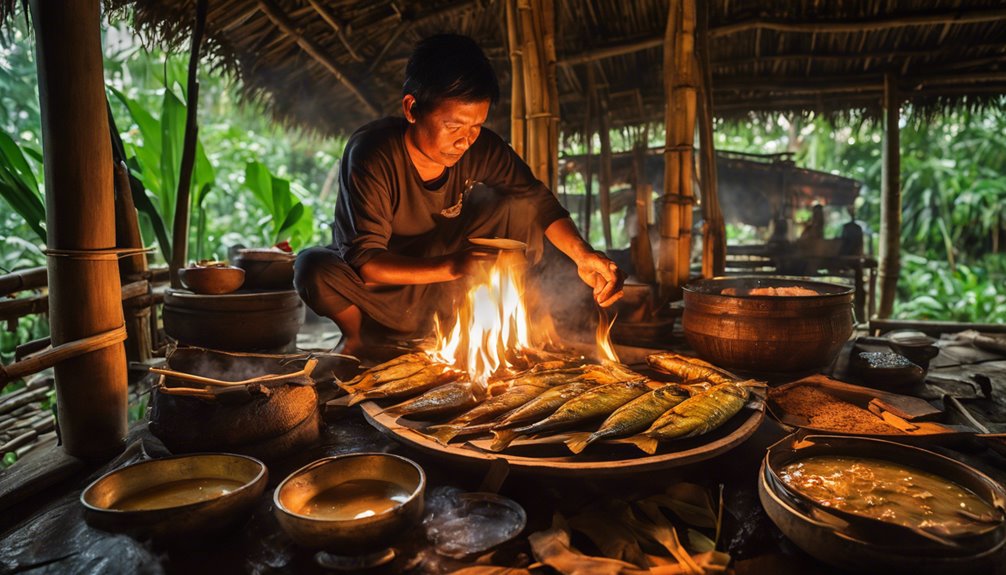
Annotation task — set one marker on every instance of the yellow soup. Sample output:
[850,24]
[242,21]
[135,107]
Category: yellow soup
[889,492]
[177,493]
[356,499]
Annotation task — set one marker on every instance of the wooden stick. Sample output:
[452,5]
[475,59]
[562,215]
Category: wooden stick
[890,201]
[270,9]
[604,180]
[14,309]
[48,358]
[518,124]
[862,24]
[611,51]
[180,235]
[26,279]
[714,245]
[330,19]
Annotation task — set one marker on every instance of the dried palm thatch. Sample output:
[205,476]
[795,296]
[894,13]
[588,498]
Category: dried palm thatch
[330,65]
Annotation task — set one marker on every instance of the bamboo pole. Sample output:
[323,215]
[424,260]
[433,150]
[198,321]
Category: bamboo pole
[605,177]
[642,250]
[283,22]
[588,144]
[30,278]
[180,235]
[518,124]
[890,201]
[714,240]
[680,90]
[886,22]
[131,268]
[84,298]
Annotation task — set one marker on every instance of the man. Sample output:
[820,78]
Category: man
[413,190]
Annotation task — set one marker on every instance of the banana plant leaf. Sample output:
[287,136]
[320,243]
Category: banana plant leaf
[19,187]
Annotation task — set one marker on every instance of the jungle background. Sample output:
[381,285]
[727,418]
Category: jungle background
[257,183]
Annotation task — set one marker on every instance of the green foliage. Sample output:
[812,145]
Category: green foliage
[25,329]
[932,290]
[19,186]
[286,213]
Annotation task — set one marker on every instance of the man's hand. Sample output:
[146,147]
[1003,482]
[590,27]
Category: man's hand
[469,261]
[601,274]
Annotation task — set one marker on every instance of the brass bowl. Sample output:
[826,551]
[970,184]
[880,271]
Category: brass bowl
[212,280]
[175,497]
[339,503]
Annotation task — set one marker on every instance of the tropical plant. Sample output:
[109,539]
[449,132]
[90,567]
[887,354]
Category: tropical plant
[287,215]
[19,186]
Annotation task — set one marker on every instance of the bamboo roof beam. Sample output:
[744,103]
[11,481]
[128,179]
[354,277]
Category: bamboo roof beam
[337,27]
[862,24]
[612,51]
[280,19]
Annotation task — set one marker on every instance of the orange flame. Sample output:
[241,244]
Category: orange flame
[603,336]
[491,326]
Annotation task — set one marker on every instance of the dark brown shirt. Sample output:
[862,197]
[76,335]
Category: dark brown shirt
[384,205]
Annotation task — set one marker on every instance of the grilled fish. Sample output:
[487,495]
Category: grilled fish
[633,417]
[544,405]
[510,399]
[427,378]
[595,402]
[689,369]
[599,401]
[696,415]
[445,399]
[401,366]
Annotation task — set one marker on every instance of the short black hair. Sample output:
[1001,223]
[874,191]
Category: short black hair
[449,66]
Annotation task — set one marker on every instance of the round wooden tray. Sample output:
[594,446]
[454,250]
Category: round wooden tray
[551,457]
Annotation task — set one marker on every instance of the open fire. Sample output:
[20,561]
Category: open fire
[492,330]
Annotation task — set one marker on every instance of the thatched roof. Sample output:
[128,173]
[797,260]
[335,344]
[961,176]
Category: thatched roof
[331,65]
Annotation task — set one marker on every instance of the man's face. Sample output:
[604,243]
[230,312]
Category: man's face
[442,135]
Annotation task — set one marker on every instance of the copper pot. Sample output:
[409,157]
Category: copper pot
[767,334]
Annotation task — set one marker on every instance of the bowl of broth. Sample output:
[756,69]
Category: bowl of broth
[867,503]
[353,504]
[175,498]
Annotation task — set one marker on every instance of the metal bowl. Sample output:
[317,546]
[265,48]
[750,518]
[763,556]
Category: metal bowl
[344,504]
[177,497]
[858,543]
[212,280]
[767,334]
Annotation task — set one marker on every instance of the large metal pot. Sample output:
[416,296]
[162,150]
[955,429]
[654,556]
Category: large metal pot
[767,334]
[860,544]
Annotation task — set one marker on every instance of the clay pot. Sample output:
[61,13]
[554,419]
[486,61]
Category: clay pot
[214,280]
[266,269]
[265,321]
[767,334]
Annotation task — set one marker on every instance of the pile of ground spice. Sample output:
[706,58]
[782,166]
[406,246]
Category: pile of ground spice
[824,411]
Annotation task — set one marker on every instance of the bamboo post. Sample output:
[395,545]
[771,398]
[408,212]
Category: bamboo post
[714,237]
[535,31]
[642,250]
[588,144]
[91,389]
[604,178]
[518,124]
[180,232]
[890,200]
[680,91]
[139,346]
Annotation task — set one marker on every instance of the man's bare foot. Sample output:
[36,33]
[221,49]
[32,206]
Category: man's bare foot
[349,346]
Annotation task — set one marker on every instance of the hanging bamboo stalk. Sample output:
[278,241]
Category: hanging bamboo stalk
[518,124]
[714,240]
[680,90]
[180,235]
[605,177]
[80,218]
[890,201]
